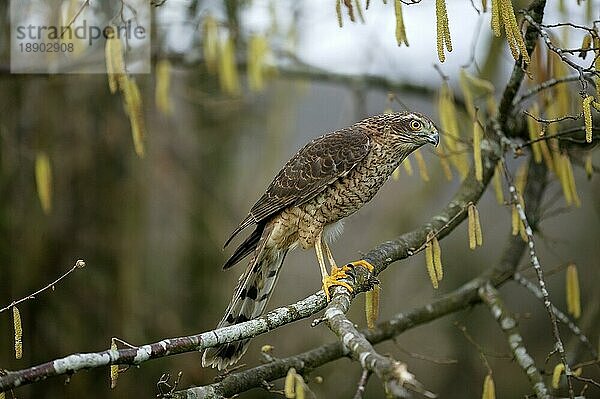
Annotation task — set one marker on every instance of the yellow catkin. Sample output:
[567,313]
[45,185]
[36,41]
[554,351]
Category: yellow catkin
[300,387]
[471,227]
[443,30]
[257,51]
[359,11]
[2,395]
[444,162]
[422,165]
[564,171]
[558,370]
[475,236]
[480,84]
[133,105]
[117,61]
[478,232]
[467,93]
[521,44]
[506,11]
[43,180]
[571,181]
[563,177]
[515,221]
[110,71]
[513,33]
[437,259]
[228,75]
[477,137]
[588,166]
[497,184]
[572,291]
[163,84]
[338,12]
[534,127]
[471,85]
[400,28]
[496,18]
[521,178]
[407,165]
[114,368]
[546,155]
[489,390]
[562,100]
[289,387]
[587,116]
[491,105]
[447,38]
[430,265]
[534,133]
[18,333]
[210,44]
[585,45]
[372,306]
[449,123]
[596,42]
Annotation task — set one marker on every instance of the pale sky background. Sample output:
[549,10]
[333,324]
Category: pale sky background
[370,48]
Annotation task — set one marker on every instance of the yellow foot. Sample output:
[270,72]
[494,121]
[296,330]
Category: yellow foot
[362,263]
[333,279]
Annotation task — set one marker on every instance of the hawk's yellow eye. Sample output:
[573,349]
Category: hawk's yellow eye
[416,125]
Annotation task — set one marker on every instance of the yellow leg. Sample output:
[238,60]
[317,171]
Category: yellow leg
[328,253]
[336,273]
[321,258]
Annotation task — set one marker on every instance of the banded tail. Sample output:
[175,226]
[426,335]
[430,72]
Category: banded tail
[251,294]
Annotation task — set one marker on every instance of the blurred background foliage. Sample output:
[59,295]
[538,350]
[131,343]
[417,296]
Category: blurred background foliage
[151,229]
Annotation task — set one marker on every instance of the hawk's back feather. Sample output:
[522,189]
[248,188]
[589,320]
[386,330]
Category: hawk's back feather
[314,167]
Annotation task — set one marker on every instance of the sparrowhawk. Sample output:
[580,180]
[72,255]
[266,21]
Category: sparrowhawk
[329,179]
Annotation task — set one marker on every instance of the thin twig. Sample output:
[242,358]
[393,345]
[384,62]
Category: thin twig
[559,314]
[472,341]
[540,275]
[546,85]
[554,120]
[362,383]
[426,358]
[579,129]
[559,51]
[78,265]
[85,4]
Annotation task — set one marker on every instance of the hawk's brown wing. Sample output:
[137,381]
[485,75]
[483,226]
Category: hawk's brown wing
[318,164]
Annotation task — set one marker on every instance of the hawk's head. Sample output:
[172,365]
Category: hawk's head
[410,128]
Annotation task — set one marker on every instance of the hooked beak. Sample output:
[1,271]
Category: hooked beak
[433,138]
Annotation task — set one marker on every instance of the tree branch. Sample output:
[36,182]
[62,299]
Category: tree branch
[137,355]
[508,324]
[540,275]
[393,374]
[536,11]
